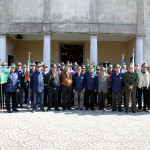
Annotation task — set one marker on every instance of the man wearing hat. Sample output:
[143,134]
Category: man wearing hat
[62,68]
[136,68]
[117,86]
[78,89]
[26,84]
[30,97]
[103,84]
[100,64]
[83,69]
[131,82]
[45,70]
[37,84]
[66,83]
[4,64]
[143,86]
[12,87]
[19,95]
[52,81]
[109,95]
[90,87]
[58,68]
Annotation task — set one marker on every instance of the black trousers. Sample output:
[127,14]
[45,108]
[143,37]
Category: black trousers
[14,101]
[59,97]
[53,94]
[66,97]
[45,96]
[133,96]
[144,90]
[3,93]
[148,95]
[119,97]
[89,95]
[102,100]
[109,96]
[26,94]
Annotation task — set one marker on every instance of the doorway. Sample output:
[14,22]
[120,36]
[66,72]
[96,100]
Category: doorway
[10,59]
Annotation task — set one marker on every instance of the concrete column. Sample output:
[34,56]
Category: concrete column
[47,50]
[139,50]
[93,49]
[3,48]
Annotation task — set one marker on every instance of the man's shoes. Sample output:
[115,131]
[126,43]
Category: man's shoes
[33,111]
[43,110]
[81,108]
[57,109]
[21,106]
[113,109]
[64,109]
[133,111]
[9,111]
[69,109]
[76,108]
[48,109]
[86,108]
[16,110]
[92,108]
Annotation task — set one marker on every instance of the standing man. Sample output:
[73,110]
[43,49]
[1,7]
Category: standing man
[52,81]
[45,70]
[117,86]
[131,82]
[19,95]
[90,88]
[83,69]
[103,84]
[109,95]
[78,89]
[12,86]
[66,82]
[143,86]
[62,68]
[37,84]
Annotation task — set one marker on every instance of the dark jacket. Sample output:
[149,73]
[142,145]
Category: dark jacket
[90,81]
[78,82]
[37,81]
[20,77]
[130,79]
[117,82]
[13,82]
[52,81]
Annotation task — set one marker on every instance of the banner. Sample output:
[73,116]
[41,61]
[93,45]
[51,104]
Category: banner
[4,73]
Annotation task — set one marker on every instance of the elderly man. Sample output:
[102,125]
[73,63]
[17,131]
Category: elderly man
[52,81]
[83,69]
[143,86]
[90,87]
[19,95]
[117,86]
[37,84]
[103,84]
[12,87]
[66,82]
[78,89]
[131,82]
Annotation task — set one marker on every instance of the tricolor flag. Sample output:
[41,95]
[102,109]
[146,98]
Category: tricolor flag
[94,67]
[28,70]
[106,69]
[87,66]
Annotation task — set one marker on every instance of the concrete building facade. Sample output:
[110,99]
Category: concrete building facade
[100,30]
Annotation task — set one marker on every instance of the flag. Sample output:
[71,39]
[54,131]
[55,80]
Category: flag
[94,67]
[87,66]
[122,64]
[4,73]
[28,70]
[106,69]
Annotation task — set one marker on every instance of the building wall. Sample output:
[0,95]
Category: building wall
[108,51]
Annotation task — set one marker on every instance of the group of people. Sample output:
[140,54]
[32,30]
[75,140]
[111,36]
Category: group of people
[69,84]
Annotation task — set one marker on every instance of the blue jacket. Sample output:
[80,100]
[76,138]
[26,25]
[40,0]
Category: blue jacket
[13,82]
[37,81]
[78,82]
[117,82]
[20,76]
[90,81]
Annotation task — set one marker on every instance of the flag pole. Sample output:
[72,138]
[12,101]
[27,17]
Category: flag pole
[29,81]
[1,95]
[133,59]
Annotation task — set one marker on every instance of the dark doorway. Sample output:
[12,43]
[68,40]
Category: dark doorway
[10,59]
[72,53]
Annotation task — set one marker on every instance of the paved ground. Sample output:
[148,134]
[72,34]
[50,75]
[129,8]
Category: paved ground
[88,130]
